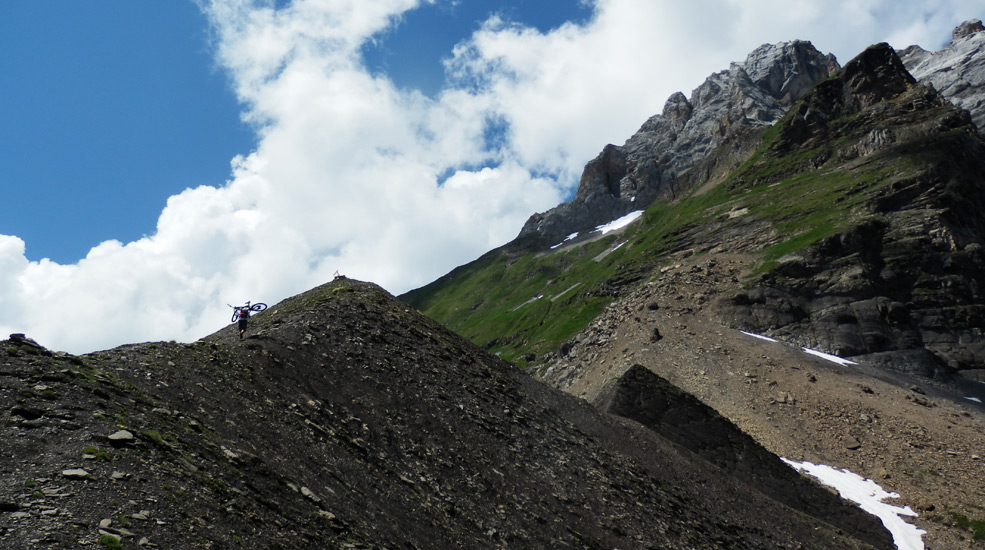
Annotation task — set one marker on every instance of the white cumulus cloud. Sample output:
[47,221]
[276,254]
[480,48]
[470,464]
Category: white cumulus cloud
[356,175]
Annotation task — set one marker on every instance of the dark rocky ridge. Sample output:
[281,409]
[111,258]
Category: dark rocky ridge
[641,395]
[902,287]
[346,420]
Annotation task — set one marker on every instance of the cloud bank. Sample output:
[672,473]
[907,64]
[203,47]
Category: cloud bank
[355,175]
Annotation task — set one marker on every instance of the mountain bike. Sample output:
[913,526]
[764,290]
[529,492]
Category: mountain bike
[259,306]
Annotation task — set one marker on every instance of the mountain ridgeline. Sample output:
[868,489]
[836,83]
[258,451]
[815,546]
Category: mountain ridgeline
[863,206]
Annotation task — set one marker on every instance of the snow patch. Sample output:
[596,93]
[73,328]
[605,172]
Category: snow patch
[975,399]
[620,223]
[869,496]
[566,239]
[760,336]
[833,358]
[614,225]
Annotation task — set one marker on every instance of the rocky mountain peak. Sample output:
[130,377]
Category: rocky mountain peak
[874,75]
[755,92]
[677,109]
[967,28]
[786,70]
[957,71]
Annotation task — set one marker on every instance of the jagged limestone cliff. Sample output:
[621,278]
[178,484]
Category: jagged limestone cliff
[754,93]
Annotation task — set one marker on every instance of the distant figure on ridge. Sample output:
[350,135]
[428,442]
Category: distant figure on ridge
[242,314]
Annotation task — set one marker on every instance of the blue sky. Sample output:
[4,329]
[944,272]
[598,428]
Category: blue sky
[213,152]
[108,108]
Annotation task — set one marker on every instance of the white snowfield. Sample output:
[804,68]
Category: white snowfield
[869,496]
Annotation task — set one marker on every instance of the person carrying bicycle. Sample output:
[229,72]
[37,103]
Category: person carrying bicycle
[244,315]
[241,314]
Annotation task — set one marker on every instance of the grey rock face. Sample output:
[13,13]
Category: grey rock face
[957,71]
[756,92]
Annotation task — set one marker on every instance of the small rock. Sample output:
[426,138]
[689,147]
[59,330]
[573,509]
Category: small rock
[116,476]
[309,494]
[852,444]
[786,399]
[144,541]
[105,523]
[121,437]
[75,473]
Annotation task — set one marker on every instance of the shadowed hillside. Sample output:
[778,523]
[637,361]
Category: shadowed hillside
[347,420]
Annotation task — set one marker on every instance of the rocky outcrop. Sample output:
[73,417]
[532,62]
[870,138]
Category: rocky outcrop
[903,286]
[346,420]
[957,71]
[754,93]
[651,400]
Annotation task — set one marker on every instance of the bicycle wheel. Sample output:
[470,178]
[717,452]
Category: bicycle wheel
[235,315]
[259,306]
